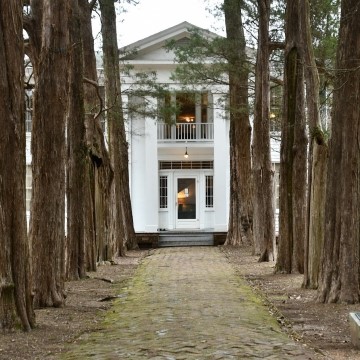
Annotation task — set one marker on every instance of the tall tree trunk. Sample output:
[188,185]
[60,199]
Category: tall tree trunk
[293,151]
[15,273]
[122,226]
[317,160]
[264,214]
[241,211]
[48,150]
[339,274]
[98,174]
[76,168]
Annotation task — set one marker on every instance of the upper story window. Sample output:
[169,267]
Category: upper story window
[185,116]
[186,107]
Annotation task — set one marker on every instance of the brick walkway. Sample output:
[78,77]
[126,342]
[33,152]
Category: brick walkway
[187,303]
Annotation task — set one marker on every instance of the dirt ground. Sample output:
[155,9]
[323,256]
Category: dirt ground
[322,327]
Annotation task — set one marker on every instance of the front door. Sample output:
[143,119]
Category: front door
[186,203]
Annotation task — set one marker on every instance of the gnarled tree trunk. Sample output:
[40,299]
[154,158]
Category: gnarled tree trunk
[293,150]
[98,174]
[339,274]
[317,160]
[122,229]
[48,150]
[264,214]
[15,273]
[241,212]
[76,165]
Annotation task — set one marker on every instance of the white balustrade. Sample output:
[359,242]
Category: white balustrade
[185,132]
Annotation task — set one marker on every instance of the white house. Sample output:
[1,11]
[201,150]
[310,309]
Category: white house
[179,172]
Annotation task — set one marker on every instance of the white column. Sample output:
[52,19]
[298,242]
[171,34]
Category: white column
[127,122]
[221,169]
[138,171]
[151,178]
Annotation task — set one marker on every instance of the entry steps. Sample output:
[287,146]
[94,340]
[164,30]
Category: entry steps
[185,238]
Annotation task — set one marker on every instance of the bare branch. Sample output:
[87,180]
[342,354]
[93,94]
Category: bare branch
[97,87]
[276,81]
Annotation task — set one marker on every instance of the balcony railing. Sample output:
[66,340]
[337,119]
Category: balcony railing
[185,132]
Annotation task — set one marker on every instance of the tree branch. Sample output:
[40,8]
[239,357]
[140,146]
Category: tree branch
[97,87]
[276,81]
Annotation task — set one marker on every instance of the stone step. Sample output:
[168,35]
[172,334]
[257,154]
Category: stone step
[185,243]
[186,239]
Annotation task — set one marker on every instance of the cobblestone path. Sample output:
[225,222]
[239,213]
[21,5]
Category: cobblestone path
[187,303]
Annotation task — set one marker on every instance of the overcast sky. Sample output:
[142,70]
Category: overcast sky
[152,16]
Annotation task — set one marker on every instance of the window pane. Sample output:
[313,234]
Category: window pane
[209,191]
[204,107]
[163,190]
[186,198]
[185,103]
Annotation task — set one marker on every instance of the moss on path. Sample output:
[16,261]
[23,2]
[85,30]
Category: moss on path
[187,303]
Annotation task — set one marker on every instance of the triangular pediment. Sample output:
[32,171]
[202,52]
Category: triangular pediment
[152,47]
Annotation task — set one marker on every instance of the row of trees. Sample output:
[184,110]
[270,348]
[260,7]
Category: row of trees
[319,217]
[318,230]
[69,156]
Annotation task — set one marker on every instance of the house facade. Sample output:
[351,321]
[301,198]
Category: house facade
[179,169]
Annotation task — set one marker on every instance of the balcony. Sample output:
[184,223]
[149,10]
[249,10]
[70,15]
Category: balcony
[187,132]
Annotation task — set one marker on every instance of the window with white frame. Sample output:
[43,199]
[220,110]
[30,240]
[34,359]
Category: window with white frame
[163,192]
[209,191]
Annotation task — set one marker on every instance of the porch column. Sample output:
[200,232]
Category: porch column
[127,120]
[150,180]
[221,168]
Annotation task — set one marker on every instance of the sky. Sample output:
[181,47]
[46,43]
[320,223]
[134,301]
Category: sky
[152,16]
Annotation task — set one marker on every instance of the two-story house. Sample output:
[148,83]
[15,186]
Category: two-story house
[179,170]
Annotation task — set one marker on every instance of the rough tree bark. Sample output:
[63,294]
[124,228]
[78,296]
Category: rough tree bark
[339,274]
[264,214]
[98,175]
[292,224]
[76,165]
[47,224]
[241,212]
[122,230]
[15,274]
[317,159]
